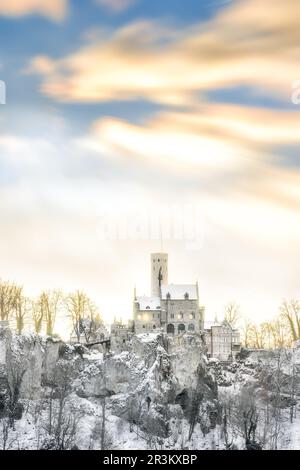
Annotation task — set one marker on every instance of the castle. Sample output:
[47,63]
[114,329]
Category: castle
[174,308]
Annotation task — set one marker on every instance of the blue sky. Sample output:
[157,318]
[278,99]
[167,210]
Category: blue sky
[115,109]
[32,35]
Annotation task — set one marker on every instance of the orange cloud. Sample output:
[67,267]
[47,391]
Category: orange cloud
[41,63]
[243,45]
[218,136]
[54,9]
[225,148]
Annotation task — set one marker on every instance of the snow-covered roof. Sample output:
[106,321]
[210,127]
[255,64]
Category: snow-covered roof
[148,303]
[179,291]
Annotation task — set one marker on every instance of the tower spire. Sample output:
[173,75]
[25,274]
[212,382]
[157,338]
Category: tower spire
[159,272]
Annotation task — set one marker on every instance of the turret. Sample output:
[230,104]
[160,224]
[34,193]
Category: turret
[159,272]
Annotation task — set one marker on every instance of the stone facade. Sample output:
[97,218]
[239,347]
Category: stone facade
[120,336]
[174,308]
[223,342]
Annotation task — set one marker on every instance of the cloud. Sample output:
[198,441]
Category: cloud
[116,5]
[224,152]
[222,158]
[53,9]
[251,240]
[244,45]
[41,64]
[216,136]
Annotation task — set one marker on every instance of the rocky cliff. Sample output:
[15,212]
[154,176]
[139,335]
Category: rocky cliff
[149,386]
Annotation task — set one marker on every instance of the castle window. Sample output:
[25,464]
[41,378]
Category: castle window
[144,326]
[186,295]
[192,316]
[154,327]
[180,316]
[153,315]
[191,327]
[147,308]
[172,315]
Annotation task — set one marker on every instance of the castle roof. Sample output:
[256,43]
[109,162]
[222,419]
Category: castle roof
[148,303]
[179,291]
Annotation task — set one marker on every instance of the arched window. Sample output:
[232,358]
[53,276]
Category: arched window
[186,296]
[192,316]
[147,308]
[170,329]
[168,295]
[181,328]
[154,327]
[191,327]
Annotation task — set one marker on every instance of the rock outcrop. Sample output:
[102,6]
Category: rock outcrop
[146,385]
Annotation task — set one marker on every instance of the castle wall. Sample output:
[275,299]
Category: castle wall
[181,312]
[222,342]
[147,320]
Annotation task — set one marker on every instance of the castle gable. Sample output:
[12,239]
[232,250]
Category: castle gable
[148,303]
[179,292]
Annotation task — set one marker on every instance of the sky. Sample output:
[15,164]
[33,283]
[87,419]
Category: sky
[132,127]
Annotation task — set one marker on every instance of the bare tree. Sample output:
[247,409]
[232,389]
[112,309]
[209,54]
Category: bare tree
[246,419]
[6,438]
[281,333]
[232,313]
[7,299]
[83,313]
[290,312]
[37,314]
[14,382]
[100,437]
[267,335]
[62,422]
[246,331]
[22,307]
[227,428]
[196,401]
[49,303]
[276,390]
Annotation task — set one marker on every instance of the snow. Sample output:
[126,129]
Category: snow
[147,337]
[148,303]
[142,389]
[94,356]
[178,291]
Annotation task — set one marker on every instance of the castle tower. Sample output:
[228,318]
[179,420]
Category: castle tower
[159,272]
